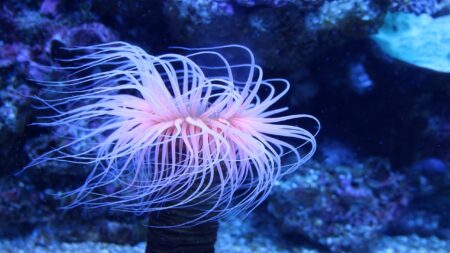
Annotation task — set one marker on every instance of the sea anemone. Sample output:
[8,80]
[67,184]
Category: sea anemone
[173,131]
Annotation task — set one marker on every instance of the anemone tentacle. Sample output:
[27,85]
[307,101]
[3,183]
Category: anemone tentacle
[169,132]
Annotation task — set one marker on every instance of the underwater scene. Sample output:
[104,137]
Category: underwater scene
[225,126]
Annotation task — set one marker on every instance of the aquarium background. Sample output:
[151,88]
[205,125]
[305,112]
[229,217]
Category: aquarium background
[376,73]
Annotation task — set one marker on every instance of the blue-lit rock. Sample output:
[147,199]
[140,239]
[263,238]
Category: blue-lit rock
[341,207]
[277,33]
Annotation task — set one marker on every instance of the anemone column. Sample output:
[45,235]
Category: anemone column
[167,234]
[199,239]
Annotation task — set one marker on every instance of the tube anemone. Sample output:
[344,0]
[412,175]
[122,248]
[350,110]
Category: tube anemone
[175,132]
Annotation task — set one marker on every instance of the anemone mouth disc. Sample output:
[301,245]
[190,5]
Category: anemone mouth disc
[167,131]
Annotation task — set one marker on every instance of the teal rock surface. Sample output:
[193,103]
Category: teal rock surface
[422,40]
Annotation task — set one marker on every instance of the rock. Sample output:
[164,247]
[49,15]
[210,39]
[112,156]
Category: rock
[343,208]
